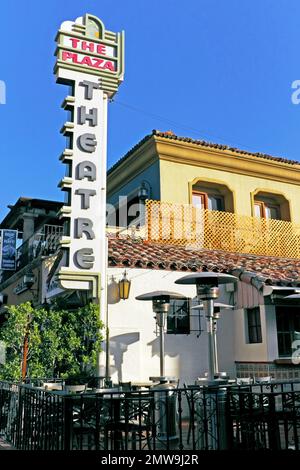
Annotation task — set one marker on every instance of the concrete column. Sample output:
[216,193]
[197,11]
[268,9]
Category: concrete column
[28,225]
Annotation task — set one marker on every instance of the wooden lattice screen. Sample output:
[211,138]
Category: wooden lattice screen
[185,225]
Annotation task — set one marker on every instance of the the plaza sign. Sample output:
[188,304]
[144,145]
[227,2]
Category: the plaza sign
[96,60]
[85,46]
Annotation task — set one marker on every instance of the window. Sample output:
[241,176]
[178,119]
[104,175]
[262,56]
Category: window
[213,202]
[178,319]
[199,200]
[211,195]
[266,210]
[254,325]
[288,328]
[271,206]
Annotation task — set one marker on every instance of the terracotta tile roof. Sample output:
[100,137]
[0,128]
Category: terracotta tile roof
[201,143]
[132,253]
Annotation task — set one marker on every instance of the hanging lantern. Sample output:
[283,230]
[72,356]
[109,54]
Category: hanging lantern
[113,295]
[124,287]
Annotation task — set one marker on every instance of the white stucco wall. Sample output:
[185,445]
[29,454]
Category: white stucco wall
[134,346]
[267,350]
[244,351]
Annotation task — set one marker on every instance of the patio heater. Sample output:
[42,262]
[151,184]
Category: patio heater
[166,414]
[161,306]
[214,392]
[207,285]
[216,315]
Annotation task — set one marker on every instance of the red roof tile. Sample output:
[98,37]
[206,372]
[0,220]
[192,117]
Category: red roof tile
[204,143]
[141,254]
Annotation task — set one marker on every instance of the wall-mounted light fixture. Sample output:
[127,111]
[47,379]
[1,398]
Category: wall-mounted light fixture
[124,287]
[28,279]
[3,299]
[115,292]
[144,191]
[26,283]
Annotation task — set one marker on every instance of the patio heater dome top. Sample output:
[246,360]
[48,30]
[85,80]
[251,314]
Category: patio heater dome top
[207,279]
[216,304]
[292,297]
[160,294]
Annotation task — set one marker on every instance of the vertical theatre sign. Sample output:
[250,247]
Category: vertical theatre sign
[90,60]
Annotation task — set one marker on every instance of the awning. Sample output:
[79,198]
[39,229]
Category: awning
[279,291]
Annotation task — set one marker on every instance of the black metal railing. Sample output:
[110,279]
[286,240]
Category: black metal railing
[33,419]
[264,416]
[231,417]
[45,242]
[9,405]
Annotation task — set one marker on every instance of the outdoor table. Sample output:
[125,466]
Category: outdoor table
[125,417]
[165,379]
[201,381]
[137,385]
[60,392]
[52,386]
[113,398]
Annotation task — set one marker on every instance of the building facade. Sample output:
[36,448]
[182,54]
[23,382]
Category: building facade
[186,171]
[248,206]
[190,206]
[39,232]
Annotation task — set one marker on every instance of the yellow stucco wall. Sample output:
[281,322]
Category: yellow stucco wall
[176,164]
[176,177]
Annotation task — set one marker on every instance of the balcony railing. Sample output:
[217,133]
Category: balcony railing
[185,225]
[42,243]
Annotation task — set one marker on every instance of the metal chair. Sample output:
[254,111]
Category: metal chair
[131,423]
[189,392]
[244,381]
[75,388]
[84,429]
[125,386]
[263,380]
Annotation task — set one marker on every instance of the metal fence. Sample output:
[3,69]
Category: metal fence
[264,416]
[9,405]
[228,417]
[45,243]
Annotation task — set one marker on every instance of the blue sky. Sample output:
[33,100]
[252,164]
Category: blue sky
[210,69]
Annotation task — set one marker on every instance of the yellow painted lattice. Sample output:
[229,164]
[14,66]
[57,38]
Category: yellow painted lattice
[185,225]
